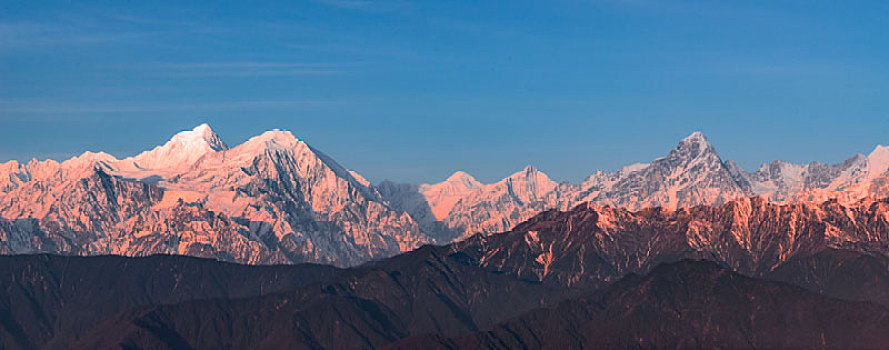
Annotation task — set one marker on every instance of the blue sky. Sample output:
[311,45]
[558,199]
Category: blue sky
[412,91]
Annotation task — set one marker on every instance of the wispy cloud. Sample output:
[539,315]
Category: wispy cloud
[367,5]
[254,68]
[347,3]
[9,109]
[256,73]
[17,35]
[253,65]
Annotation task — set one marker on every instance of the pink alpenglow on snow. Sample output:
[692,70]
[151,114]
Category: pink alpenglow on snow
[275,199]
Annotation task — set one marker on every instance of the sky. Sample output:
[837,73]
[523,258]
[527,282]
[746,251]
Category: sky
[413,91]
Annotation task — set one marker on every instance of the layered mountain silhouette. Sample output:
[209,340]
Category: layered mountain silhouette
[683,305]
[436,297]
[274,199]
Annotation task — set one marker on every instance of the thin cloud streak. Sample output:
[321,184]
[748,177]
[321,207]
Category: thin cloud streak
[35,107]
[254,69]
[255,73]
[220,65]
[366,5]
[20,35]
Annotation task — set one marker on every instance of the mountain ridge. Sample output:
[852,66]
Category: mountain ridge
[276,199]
[271,199]
[602,261]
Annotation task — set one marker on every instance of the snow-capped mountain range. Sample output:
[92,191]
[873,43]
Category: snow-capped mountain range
[275,199]
[691,174]
[272,199]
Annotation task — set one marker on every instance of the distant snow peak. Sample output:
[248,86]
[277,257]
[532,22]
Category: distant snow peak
[533,177]
[89,156]
[695,136]
[695,144]
[529,172]
[460,176]
[529,184]
[878,161]
[275,137]
[88,161]
[182,150]
[203,134]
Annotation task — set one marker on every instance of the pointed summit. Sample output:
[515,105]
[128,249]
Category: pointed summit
[444,195]
[695,136]
[460,175]
[529,183]
[272,140]
[464,181]
[183,149]
[458,183]
[528,172]
[205,133]
[878,161]
[693,146]
[275,138]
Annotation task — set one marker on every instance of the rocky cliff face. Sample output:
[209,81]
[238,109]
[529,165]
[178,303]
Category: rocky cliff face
[593,245]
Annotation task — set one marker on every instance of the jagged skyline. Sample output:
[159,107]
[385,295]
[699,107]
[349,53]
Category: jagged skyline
[208,139]
[409,91]
[290,202]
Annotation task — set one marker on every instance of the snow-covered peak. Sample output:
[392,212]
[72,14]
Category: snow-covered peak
[695,136]
[695,144]
[88,160]
[274,138]
[461,176]
[71,169]
[444,195]
[692,152]
[528,183]
[201,134]
[277,135]
[183,150]
[457,184]
[529,172]
[878,161]
[860,171]
[89,156]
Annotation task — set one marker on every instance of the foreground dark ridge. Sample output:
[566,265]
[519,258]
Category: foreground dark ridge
[49,300]
[54,302]
[448,291]
[177,302]
[689,304]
